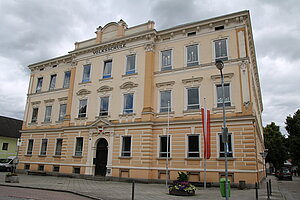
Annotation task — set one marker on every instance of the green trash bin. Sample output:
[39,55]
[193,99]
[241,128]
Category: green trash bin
[222,187]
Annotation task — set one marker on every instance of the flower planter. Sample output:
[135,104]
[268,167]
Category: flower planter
[12,179]
[181,193]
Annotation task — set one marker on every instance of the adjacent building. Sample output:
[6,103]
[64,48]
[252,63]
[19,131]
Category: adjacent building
[105,108]
[9,135]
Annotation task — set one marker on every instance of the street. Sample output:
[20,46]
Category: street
[290,189]
[15,193]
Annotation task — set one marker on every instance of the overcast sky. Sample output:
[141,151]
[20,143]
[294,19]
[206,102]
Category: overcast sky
[35,30]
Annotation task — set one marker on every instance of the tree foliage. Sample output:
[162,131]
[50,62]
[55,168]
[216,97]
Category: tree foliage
[275,143]
[293,129]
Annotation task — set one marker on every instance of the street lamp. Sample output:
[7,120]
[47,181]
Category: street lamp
[264,155]
[220,65]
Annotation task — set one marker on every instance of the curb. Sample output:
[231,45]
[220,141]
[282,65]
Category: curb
[54,190]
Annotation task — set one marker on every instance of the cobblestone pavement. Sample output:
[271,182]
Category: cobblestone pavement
[112,190]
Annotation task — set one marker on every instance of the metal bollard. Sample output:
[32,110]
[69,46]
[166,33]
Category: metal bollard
[268,194]
[270,185]
[256,191]
[132,191]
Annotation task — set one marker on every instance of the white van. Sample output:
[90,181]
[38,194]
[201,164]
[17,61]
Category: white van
[7,164]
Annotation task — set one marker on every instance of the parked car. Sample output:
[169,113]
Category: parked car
[7,164]
[285,173]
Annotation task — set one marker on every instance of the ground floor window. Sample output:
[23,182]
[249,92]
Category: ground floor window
[165,145]
[55,168]
[126,146]
[193,146]
[229,148]
[41,167]
[76,170]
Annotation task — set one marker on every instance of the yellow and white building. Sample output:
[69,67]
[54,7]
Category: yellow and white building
[102,109]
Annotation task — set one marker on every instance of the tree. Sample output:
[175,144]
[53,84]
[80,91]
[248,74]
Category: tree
[293,129]
[275,143]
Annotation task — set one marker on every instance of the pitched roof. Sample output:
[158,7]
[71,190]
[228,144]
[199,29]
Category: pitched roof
[10,127]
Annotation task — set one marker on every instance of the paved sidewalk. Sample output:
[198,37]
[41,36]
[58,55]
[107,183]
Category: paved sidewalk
[111,190]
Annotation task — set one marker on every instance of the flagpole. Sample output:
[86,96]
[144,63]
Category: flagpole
[205,143]
[167,159]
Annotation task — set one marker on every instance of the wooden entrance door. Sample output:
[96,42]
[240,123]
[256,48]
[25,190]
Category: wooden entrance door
[101,157]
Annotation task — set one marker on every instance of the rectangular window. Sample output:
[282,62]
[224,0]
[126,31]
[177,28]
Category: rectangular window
[165,97]
[67,79]
[27,166]
[35,112]
[30,147]
[86,73]
[82,108]
[48,114]
[55,168]
[58,147]
[41,167]
[130,65]
[44,147]
[193,98]
[192,55]
[62,112]
[164,149]
[39,84]
[104,106]
[166,60]
[128,103]
[221,49]
[52,82]
[79,146]
[107,69]
[76,170]
[5,146]
[126,146]
[229,148]
[193,148]
[220,96]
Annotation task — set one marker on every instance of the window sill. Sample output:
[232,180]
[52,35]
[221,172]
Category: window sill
[160,158]
[126,75]
[103,116]
[47,122]
[196,158]
[127,114]
[33,124]
[59,121]
[81,83]
[28,155]
[105,79]
[192,111]
[226,108]
[81,118]
[56,156]
[77,156]
[228,158]
[165,113]
[42,155]
[125,157]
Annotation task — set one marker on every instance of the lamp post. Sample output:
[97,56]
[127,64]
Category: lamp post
[220,65]
[264,155]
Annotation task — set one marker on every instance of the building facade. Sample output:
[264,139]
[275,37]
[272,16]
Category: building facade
[106,107]
[9,135]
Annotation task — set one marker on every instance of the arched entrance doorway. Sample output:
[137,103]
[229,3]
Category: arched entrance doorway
[101,157]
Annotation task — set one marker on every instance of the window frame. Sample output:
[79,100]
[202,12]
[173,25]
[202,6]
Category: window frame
[128,110]
[227,103]
[86,78]
[34,120]
[102,113]
[58,151]
[60,118]
[48,113]
[190,64]
[224,58]
[160,147]
[45,145]
[30,144]
[160,101]
[188,152]
[52,82]
[5,146]
[230,146]
[66,84]
[39,85]
[82,115]
[124,152]
[187,98]
[78,153]
[167,67]
[107,75]
[132,71]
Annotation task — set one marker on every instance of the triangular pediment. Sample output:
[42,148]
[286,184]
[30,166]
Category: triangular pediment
[101,122]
